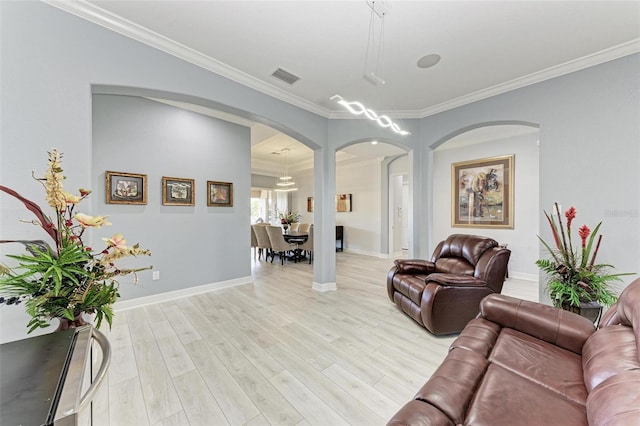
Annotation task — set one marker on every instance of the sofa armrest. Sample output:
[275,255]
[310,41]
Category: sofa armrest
[558,327]
[414,266]
[455,280]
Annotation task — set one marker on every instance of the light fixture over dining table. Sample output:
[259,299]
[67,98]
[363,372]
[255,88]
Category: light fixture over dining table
[286,183]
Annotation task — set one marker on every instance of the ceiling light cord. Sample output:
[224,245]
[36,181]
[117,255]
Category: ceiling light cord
[372,68]
[286,184]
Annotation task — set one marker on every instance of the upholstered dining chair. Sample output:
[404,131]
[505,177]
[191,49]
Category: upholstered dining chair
[278,245]
[444,293]
[254,242]
[304,227]
[294,227]
[307,246]
[264,243]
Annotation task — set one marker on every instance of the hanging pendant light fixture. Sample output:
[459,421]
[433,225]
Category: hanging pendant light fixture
[286,183]
[373,72]
[357,108]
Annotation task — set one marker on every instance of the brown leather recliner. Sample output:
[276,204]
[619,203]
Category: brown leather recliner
[527,364]
[443,294]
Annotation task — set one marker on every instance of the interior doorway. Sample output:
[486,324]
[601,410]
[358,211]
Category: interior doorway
[398,214]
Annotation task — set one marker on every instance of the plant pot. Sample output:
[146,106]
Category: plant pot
[66,323]
[589,310]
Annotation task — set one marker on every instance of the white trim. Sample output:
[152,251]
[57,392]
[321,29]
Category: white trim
[597,58]
[104,18]
[324,287]
[123,305]
[524,276]
[366,253]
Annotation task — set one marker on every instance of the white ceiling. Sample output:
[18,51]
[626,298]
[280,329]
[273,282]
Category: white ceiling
[487,47]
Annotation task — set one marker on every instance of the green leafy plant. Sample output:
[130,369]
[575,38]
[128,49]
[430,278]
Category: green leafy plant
[69,278]
[573,276]
[287,218]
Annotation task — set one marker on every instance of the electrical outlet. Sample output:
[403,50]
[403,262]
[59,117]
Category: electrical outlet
[156,275]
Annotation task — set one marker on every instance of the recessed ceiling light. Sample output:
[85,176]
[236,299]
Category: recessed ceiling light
[374,142]
[428,61]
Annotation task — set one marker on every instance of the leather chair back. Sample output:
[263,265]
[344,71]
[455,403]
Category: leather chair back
[477,256]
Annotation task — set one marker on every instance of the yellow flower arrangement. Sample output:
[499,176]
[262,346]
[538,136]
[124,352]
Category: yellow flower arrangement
[70,278]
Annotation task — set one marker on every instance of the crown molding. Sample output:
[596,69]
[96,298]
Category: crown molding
[106,19]
[597,58]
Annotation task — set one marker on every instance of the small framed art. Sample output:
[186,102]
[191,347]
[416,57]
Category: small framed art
[178,191]
[126,188]
[219,194]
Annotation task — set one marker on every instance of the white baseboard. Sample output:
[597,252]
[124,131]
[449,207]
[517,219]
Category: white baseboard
[123,305]
[324,287]
[366,253]
[524,276]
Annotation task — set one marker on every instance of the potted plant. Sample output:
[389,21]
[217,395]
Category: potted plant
[575,281]
[287,218]
[68,278]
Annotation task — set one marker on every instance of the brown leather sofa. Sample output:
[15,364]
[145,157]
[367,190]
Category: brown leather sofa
[443,294]
[524,363]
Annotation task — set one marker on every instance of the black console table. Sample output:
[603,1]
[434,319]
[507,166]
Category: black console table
[339,237]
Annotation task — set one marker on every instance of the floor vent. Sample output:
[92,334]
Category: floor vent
[285,76]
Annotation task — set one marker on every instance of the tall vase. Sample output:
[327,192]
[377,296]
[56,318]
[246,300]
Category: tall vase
[65,323]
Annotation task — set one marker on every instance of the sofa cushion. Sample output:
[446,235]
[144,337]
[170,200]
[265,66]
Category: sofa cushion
[609,351]
[420,413]
[469,247]
[558,327]
[411,286]
[629,310]
[479,336]
[505,398]
[544,364]
[616,401]
[454,265]
[452,385]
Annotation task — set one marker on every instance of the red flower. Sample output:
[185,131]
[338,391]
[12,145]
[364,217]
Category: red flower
[584,233]
[570,215]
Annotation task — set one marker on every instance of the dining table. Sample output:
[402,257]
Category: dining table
[297,238]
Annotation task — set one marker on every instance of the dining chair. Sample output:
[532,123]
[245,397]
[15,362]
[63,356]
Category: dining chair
[304,227]
[278,245]
[294,227]
[264,243]
[307,246]
[254,242]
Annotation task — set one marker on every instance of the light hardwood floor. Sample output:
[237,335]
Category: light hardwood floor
[274,352]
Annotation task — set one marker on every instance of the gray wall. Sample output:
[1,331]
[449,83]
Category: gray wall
[589,148]
[522,240]
[191,245]
[52,62]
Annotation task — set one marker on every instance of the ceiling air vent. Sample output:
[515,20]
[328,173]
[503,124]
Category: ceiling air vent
[285,76]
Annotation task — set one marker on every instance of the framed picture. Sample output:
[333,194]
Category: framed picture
[310,204]
[482,193]
[178,191]
[219,194]
[126,188]
[343,202]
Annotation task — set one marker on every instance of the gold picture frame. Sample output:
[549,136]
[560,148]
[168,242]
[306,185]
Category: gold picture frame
[178,191]
[219,194]
[125,188]
[482,193]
